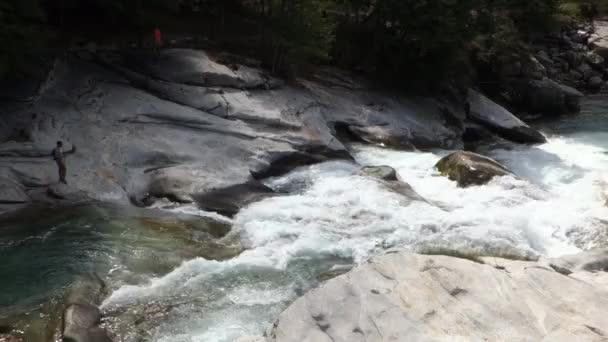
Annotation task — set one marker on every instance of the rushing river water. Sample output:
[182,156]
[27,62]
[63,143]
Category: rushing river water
[174,276]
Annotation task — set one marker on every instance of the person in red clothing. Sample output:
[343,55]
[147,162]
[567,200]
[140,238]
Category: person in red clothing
[158,40]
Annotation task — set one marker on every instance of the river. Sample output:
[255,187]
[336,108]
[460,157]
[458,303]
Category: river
[177,274]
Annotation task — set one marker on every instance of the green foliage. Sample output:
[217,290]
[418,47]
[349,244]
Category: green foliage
[401,41]
[21,36]
[300,31]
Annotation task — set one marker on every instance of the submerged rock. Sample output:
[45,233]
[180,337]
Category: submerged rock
[468,168]
[390,180]
[80,324]
[411,297]
[185,224]
[589,261]
[10,338]
[493,116]
[383,172]
[230,200]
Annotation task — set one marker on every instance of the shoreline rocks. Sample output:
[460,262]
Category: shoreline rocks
[468,168]
[195,125]
[229,201]
[411,297]
[81,317]
[498,119]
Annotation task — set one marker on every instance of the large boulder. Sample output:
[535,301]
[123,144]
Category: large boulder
[229,201]
[545,97]
[496,118]
[532,68]
[594,60]
[80,324]
[400,296]
[186,124]
[595,83]
[383,172]
[468,168]
[599,40]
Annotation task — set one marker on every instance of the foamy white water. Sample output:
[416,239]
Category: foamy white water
[333,216]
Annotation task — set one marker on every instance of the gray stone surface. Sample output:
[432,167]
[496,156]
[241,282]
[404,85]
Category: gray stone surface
[80,324]
[400,296]
[468,168]
[383,172]
[228,201]
[185,124]
[546,97]
[599,40]
[496,118]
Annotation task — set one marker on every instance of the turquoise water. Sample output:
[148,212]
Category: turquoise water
[44,251]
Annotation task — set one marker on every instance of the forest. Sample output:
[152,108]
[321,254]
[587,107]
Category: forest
[393,40]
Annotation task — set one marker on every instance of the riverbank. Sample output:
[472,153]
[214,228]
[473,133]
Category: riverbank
[196,131]
[184,124]
[163,280]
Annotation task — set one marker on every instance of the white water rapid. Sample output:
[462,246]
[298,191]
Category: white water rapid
[334,217]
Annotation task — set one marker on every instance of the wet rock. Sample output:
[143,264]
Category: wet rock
[590,261]
[384,136]
[12,192]
[250,339]
[475,133]
[532,68]
[212,250]
[575,76]
[384,172]
[595,83]
[87,290]
[599,40]
[412,297]
[545,97]
[404,189]
[335,271]
[80,324]
[10,338]
[194,67]
[390,180]
[511,69]
[229,201]
[585,70]
[213,227]
[543,57]
[468,168]
[281,163]
[41,325]
[496,118]
[573,59]
[594,60]
[190,124]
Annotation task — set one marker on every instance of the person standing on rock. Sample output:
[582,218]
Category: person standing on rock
[59,157]
[158,41]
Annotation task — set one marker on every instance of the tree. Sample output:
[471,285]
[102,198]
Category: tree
[21,36]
